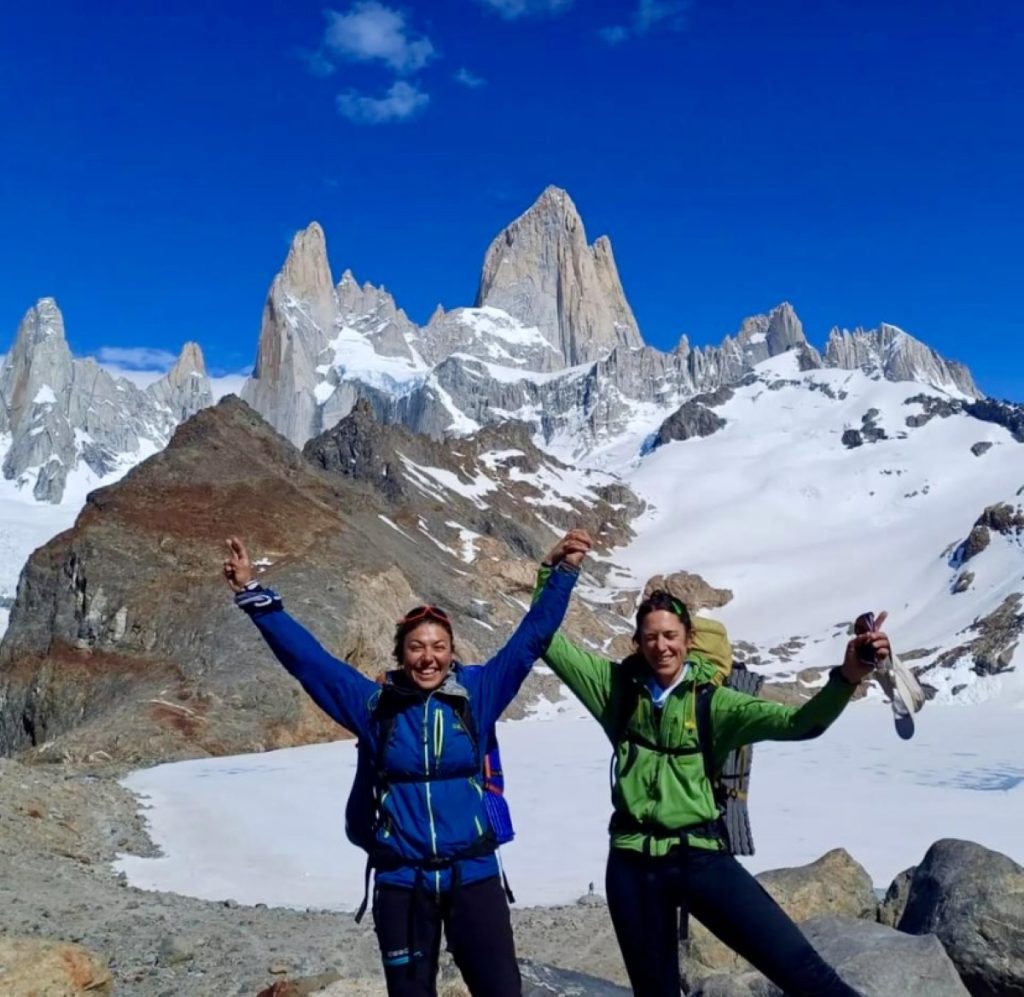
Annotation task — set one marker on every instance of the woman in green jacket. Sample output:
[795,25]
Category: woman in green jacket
[669,850]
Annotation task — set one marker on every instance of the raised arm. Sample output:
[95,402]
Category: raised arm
[342,692]
[741,719]
[502,676]
[588,676]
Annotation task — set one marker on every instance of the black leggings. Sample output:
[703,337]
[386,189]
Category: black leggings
[646,894]
[476,924]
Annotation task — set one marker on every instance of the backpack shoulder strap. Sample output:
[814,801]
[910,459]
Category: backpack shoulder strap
[385,712]
[627,700]
[463,710]
[705,728]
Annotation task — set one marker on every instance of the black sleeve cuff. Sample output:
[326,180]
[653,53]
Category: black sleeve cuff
[835,674]
[255,600]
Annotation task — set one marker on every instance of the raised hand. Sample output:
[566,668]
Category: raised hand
[855,669]
[237,566]
[572,548]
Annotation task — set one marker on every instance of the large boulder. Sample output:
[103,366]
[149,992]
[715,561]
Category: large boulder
[972,898]
[834,884]
[890,910]
[873,959]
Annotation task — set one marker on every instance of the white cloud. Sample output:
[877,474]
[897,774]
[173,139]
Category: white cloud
[140,378]
[652,13]
[371,32]
[614,35]
[649,15]
[402,100]
[137,358]
[228,384]
[469,79]
[513,9]
[317,63]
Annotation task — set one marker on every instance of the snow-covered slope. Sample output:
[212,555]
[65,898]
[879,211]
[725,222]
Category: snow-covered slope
[808,532]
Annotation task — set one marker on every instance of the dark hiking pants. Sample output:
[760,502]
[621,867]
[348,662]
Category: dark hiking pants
[646,895]
[477,926]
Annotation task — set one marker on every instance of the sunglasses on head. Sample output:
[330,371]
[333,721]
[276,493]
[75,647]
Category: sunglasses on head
[424,613]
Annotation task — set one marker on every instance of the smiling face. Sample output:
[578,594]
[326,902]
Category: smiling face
[664,642]
[427,655]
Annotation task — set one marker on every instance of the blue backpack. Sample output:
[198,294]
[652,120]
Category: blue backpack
[362,811]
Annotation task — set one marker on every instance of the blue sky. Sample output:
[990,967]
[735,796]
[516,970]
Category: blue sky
[862,161]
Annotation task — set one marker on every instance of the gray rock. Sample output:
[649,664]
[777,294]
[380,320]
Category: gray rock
[1007,414]
[972,898]
[298,321]
[980,448]
[874,959]
[62,412]
[175,949]
[547,981]
[373,312]
[890,910]
[185,389]
[897,356]
[963,582]
[541,271]
[692,418]
[880,961]
[977,540]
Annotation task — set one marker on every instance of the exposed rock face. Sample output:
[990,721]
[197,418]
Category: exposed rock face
[42,966]
[123,639]
[491,488]
[120,639]
[695,593]
[61,412]
[1006,414]
[693,418]
[1001,518]
[993,649]
[897,356]
[186,388]
[973,900]
[298,319]
[764,336]
[552,341]
[372,311]
[541,271]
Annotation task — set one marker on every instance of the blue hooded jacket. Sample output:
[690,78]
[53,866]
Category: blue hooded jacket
[433,807]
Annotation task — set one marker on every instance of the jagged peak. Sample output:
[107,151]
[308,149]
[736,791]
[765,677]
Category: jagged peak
[190,360]
[44,320]
[553,202]
[307,272]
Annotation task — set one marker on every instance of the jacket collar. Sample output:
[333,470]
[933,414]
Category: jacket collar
[397,681]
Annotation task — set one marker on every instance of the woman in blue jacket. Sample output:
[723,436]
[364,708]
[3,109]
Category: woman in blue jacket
[434,848]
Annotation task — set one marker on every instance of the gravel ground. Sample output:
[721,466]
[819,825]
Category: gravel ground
[61,827]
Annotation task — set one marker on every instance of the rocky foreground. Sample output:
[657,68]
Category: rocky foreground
[69,924]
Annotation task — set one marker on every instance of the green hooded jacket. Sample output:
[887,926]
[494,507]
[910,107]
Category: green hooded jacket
[656,794]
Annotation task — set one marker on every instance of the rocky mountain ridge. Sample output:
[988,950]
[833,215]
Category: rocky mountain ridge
[123,641]
[62,413]
[551,341]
